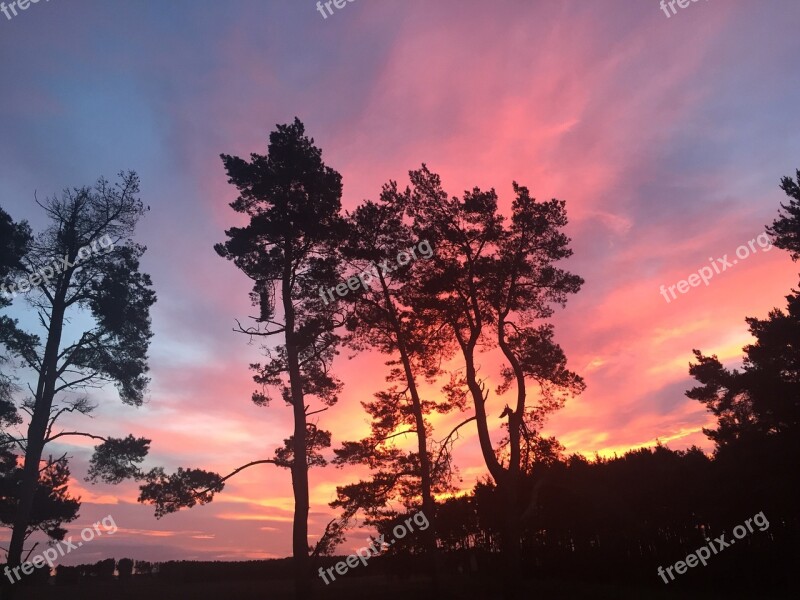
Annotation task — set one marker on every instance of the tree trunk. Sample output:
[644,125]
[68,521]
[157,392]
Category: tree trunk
[507,480]
[299,463]
[511,533]
[487,450]
[509,541]
[37,431]
[426,479]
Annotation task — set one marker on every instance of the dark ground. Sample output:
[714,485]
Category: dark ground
[356,588]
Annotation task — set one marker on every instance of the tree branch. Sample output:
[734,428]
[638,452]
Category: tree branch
[443,444]
[394,435]
[78,433]
[250,464]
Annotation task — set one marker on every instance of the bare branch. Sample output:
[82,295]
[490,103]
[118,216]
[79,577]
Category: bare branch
[250,464]
[256,331]
[377,442]
[52,462]
[445,443]
[30,551]
[81,405]
[77,433]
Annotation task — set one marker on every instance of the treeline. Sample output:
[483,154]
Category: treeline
[173,571]
[618,520]
[610,520]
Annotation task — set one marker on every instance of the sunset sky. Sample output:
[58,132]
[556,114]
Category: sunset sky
[667,137]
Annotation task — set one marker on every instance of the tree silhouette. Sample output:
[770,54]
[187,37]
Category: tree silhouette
[786,228]
[84,260]
[125,568]
[143,567]
[757,407]
[293,201]
[52,505]
[15,239]
[488,283]
[381,318]
[763,398]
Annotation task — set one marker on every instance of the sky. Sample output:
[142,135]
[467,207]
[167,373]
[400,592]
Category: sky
[666,136]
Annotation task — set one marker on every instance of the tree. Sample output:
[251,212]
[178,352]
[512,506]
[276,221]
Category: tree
[125,568]
[104,569]
[489,284]
[143,567]
[84,260]
[786,228]
[53,506]
[293,201]
[381,318]
[15,239]
[763,398]
[757,406]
